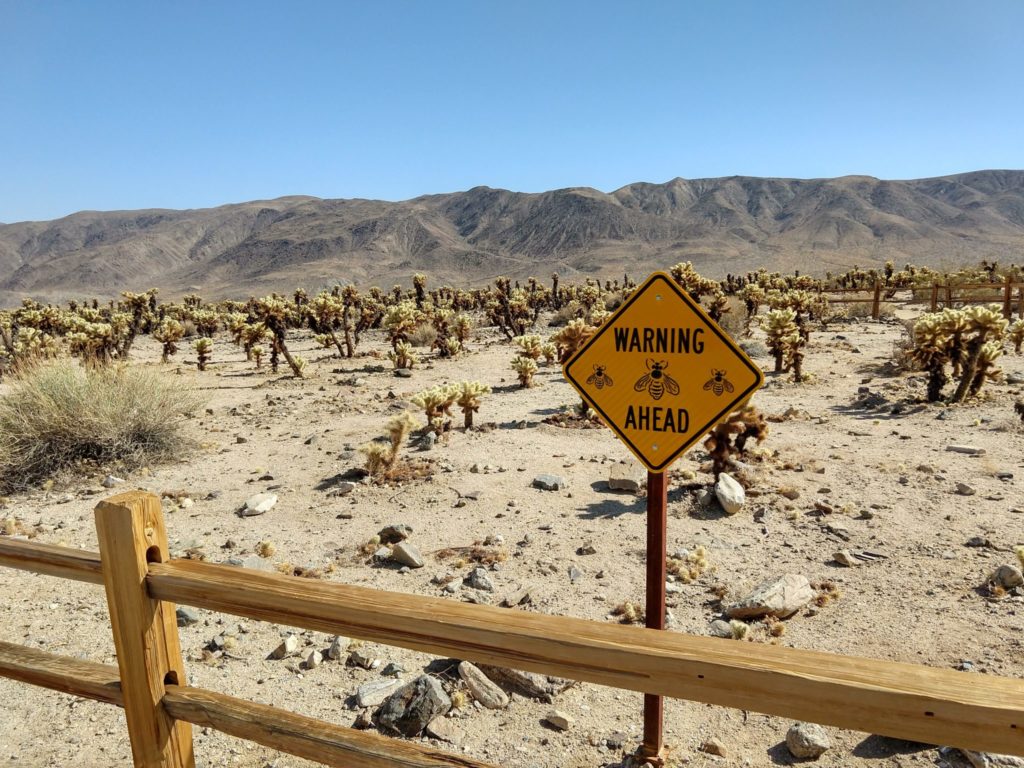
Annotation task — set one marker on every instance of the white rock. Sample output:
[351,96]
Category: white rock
[314,660]
[807,740]
[991,760]
[258,504]
[730,493]
[374,692]
[558,719]
[110,481]
[624,477]
[781,597]
[186,503]
[1008,576]
[287,647]
[339,646]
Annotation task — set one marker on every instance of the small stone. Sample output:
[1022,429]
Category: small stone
[314,660]
[393,669]
[970,450]
[403,373]
[550,482]
[393,534]
[963,489]
[481,687]
[358,657]
[720,628]
[446,729]
[587,549]
[110,481]
[1008,576]
[730,493]
[714,747]
[807,740]
[186,503]
[558,720]
[405,553]
[780,597]
[287,647]
[478,579]
[344,488]
[258,504]
[339,645]
[373,693]
[187,616]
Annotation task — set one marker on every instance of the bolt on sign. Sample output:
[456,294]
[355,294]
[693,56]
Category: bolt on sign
[661,373]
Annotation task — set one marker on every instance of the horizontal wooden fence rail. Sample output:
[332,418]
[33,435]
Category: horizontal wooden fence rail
[935,706]
[296,734]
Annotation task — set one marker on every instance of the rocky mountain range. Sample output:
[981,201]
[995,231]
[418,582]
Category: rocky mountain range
[723,225]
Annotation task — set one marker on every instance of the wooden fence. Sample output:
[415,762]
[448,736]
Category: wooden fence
[941,295]
[924,704]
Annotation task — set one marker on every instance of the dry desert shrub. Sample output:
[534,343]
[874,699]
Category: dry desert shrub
[58,415]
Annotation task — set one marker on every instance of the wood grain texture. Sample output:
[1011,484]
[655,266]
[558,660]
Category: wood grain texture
[908,701]
[86,679]
[51,560]
[131,534]
[303,736]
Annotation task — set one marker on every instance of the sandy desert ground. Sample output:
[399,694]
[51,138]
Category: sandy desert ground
[885,473]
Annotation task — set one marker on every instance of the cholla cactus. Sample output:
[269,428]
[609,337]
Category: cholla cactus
[257,354]
[783,337]
[204,348]
[451,347]
[931,352]
[986,324]
[275,314]
[571,338]
[169,333]
[729,437]
[1017,335]
[251,334]
[469,394]
[436,403]
[381,458]
[969,339]
[753,297]
[403,355]
[549,352]
[529,346]
[462,327]
[525,368]
[399,321]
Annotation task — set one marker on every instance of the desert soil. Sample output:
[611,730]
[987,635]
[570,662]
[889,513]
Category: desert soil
[888,477]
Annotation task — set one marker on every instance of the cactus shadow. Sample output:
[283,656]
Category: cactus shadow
[610,508]
[876,746]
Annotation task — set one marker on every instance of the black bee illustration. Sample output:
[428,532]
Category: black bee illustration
[600,378]
[718,383]
[657,382]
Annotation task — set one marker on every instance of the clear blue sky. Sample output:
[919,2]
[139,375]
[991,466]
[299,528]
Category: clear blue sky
[112,105]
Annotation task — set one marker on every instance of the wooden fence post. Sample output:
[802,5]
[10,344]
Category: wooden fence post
[949,296]
[935,296]
[131,534]
[876,301]
[1008,298]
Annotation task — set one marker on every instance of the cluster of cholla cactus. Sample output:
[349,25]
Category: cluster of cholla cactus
[697,287]
[403,355]
[785,341]
[968,340]
[469,395]
[437,403]
[729,437]
[382,457]
[276,315]
[169,333]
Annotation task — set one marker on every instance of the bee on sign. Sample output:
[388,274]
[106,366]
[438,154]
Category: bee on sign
[600,378]
[718,383]
[656,381]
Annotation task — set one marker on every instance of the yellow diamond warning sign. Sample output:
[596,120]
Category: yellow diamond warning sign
[661,373]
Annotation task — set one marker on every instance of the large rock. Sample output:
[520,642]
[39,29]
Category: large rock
[1008,576]
[483,690]
[991,760]
[478,579]
[258,504]
[410,709]
[392,534]
[807,740]
[529,684]
[780,597]
[730,493]
[624,477]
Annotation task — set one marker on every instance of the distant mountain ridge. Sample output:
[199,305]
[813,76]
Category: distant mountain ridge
[729,224]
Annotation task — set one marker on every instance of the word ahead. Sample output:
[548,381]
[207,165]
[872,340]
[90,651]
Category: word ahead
[661,373]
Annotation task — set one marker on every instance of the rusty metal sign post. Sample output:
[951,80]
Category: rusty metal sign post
[660,373]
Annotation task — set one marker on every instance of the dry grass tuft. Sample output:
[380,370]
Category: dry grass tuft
[629,612]
[476,553]
[59,416]
[828,591]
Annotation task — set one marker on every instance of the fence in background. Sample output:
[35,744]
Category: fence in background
[924,704]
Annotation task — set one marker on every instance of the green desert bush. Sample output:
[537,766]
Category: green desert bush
[58,415]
